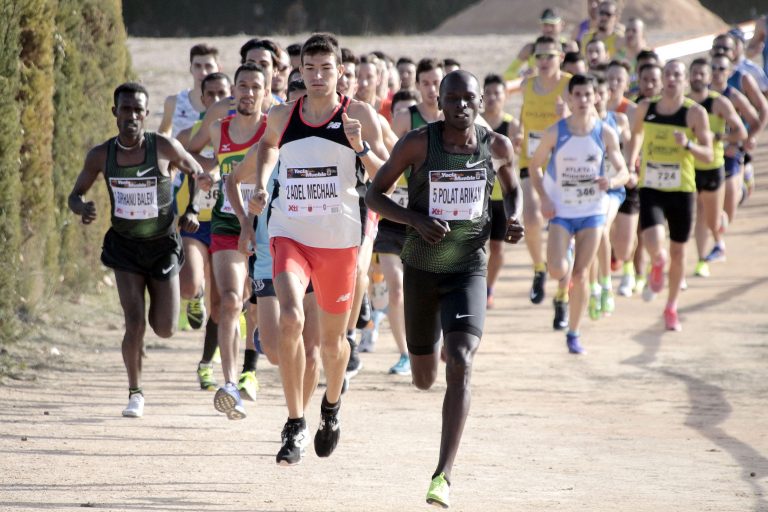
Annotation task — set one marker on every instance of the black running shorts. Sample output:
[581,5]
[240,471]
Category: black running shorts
[709,181]
[676,207]
[631,204]
[390,238]
[157,258]
[498,220]
[447,302]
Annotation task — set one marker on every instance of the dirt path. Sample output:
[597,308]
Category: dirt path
[646,421]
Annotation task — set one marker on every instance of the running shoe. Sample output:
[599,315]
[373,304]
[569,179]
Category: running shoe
[683,285]
[537,288]
[656,277]
[702,269]
[627,285]
[295,439]
[354,365]
[243,326]
[439,492]
[228,401]
[368,337]
[205,377]
[365,312]
[196,312]
[640,281]
[671,321]
[607,301]
[716,254]
[328,432]
[574,347]
[648,294]
[594,306]
[402,366]
[216,356]
[561,315]
[135,407]
[183,320]
[248,385]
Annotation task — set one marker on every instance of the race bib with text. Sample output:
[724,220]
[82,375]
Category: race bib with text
[457,195]
[663,175]
[134,198]
[312,191]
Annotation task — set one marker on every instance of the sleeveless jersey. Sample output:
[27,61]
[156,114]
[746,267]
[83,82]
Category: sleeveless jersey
[611,42]
[717,127]
[610,172]
[262,269]
[665,165]
[206,200]
[537,115]
[503,129]
[623,105]
[321,183]
[417,120]
[735,80]
[140,195]
[576,161]
[224,221]
[184,115]
[455,188]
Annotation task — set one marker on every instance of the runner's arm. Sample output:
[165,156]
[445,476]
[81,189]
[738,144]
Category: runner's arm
[91,169]
[535,170]
[755,45]
[515,134]
[698,121]
[756,98]
[612,148]
[636,142]
[361,124]
[245,170]
[203,136]
[267,154]
[736,132]
[401,123]
[503,153]
[166,123]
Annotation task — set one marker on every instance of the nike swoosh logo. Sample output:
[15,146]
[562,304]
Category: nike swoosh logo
[462,316]
[166,270]
[145,171]
[474,164]
[651,117]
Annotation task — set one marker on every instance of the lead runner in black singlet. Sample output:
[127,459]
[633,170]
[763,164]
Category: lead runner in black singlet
[444,254]
[142,246]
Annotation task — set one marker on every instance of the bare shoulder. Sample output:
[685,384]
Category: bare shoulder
[359,108]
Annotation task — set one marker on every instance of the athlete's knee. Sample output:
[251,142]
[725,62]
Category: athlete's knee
[424,379]
[459,363]
[334,345]
[135,325]
[557,268]
[163,328]
[230,303]
[291,320]
[312,355]
[677,251]
[578,275]
[189,288]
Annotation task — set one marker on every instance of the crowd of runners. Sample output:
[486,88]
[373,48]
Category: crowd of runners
[298,201]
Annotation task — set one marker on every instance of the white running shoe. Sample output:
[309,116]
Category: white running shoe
[135,407]
[627,285]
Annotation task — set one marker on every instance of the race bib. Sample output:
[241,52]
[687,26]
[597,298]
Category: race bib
[579,193]
[246,192]
[312,191]
[457,195]
[534,139]
[134,198]
[207,200]
[662,176]
[400,196]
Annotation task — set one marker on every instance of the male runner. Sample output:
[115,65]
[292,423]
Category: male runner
[280,77]
[596,54]
[573,192]
[142,246]
[608,28]
[181,110]
[664,129]
[451,178]
[494,98]
[574,63]
[429,73]
[543,104]
[633,43]
[551,25]
[759,42]
[726,127]
[406,68]
[231,139]
[324,143]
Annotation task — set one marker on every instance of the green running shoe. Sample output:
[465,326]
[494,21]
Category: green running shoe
[607,302]
[702,269]
[196,312]
[594,306]
[248,385]
[439,492]
[205,377]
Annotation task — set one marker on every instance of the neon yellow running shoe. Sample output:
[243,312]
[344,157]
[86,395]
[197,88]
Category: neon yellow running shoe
[607,302]
[217,356]
[594,306]
[439,492]
[183,320]
[248,385]
[702,269]
[205,377]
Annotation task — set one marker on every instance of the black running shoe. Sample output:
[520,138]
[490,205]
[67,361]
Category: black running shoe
[295,437]
[561,315]
[365,312]
[354,365]
[537,288]
[328,433]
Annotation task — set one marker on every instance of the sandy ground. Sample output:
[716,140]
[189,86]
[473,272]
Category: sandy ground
[646,421]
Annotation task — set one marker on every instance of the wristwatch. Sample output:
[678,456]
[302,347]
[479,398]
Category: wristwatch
[688,145]
[366,149]
[192,207]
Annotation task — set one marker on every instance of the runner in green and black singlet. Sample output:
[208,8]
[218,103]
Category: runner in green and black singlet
[444,255]
[142,246]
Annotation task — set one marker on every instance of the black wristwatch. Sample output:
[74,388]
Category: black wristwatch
[193,208]
[366,149]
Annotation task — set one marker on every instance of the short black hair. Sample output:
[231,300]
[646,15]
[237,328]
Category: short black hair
[647,54]
[349,57]
[130,88]
[701,61]
[451,62]
[294,50]
[203,49]
[251,67]
[296,85]
[491,79]
[650,65]
[404,95]
[322,42]
[546,40]
[428,64]
[573,57]
[213,76]
[620,64]
[405,60]
[577,80]
[264,44]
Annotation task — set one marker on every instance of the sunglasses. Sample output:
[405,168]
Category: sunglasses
[721,47]
[607,13]
[546,56]
[719,68]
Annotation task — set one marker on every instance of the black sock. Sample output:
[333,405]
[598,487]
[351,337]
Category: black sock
[326,406]
[298,421]
[249,364]
[211,341]
[133,391]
